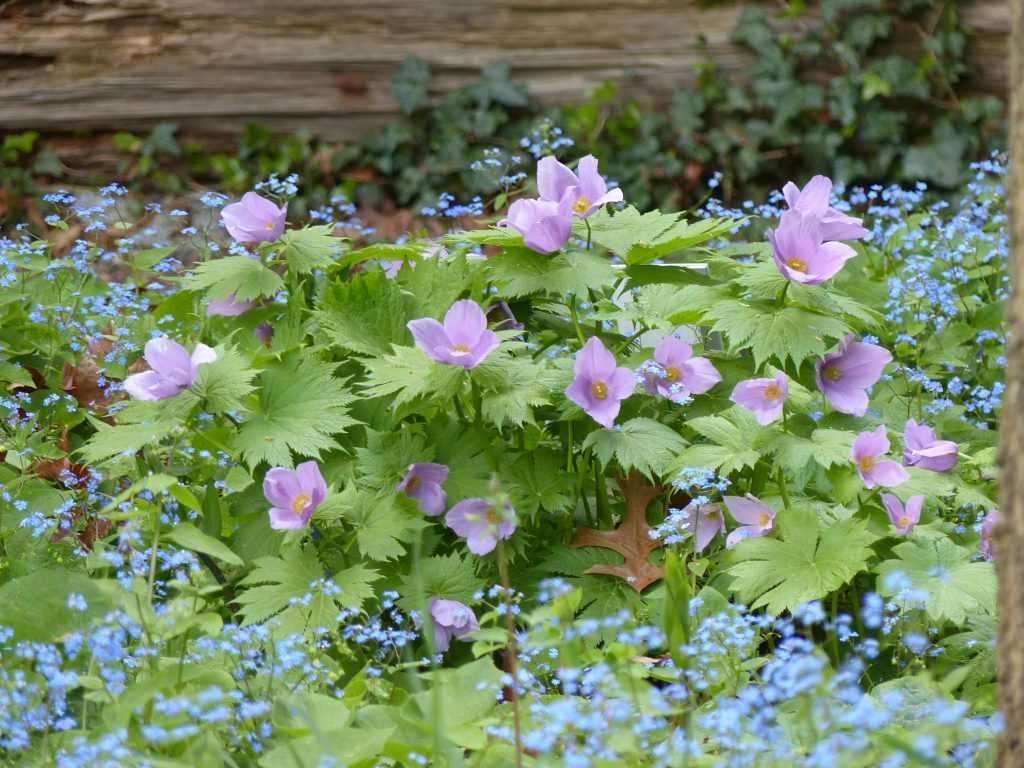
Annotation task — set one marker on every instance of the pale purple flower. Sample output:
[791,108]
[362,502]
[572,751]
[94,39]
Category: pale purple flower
[923,449]
[758,518]
[545,226]
[704,521]
[600,385]
[903,518]
[463,339]
[265,333]
[172,369]
[814,199]
[255,219]
[294,494]
[799,252]
[762,397]
[392,268]
[988,527]
[866,452]
[481,524]
[228,307]
[586,189]
[451,621]
[843,376]
[681,373]
[422,482]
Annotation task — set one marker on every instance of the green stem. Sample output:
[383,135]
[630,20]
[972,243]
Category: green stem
[576,320]
[781,480]
[604,513]
[587,222]
[512,650]
[835,631]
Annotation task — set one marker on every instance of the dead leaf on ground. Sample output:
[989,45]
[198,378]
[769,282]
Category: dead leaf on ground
[631,539]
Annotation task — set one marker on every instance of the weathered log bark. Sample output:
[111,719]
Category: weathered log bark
[1009,532]
[213,65]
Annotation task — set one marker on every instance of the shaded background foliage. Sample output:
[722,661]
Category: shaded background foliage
[863,91]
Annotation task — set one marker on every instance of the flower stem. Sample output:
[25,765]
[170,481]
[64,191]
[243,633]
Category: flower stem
[511,650]
[587,222]
[576,319]
[604,514]
[781,479]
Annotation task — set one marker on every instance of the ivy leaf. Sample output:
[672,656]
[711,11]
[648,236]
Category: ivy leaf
[365,314]
[446,576]
[640,238]
[957,586]
[223,383]
[241,276]
[302,406]
[643,444]
[310,248]
[806,562]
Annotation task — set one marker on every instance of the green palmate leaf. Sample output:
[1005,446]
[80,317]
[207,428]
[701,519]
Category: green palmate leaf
[512,386]
[521,272]
[223,383]
[276,585]
[383,252]
[641,238]
[365,314]
[407,374]
[387,456]
[434,285]
[772,332]
[957,586]
[302,406]
[807,561]
[122,440]
[503,236]
[643,444]
[733,439]
[538,480]
[826,447]
[467,697]
[310,248]
[446,576]
[381,525]
[243,277]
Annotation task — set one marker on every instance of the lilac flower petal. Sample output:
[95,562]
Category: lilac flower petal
[743,532]
[150,386]
[312,482]
[887,474]
[285,519]
[750,510]
[464,323]
[170,360]
[281,486]
[553,178]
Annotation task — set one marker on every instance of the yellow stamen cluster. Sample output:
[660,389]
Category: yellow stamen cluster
[299,503]
[599,390]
